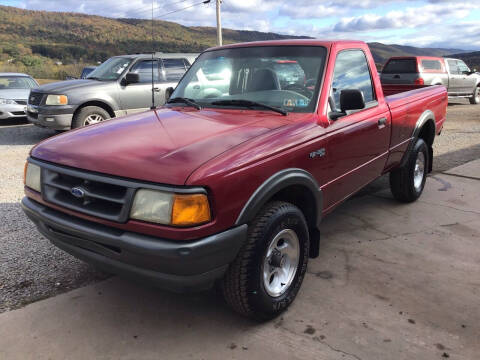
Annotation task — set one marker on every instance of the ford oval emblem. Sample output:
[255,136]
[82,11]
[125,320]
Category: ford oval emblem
[78,192]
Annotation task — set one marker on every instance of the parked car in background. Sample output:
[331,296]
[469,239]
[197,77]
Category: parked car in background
[229,187]
[86,71]
[121,85]
[424,70]
[14,90]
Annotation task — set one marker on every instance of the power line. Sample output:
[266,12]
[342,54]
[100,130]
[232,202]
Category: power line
[187,7]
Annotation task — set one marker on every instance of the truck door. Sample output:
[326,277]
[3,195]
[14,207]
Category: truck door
[466,82]
[358,142]
[138,97]
[455,77]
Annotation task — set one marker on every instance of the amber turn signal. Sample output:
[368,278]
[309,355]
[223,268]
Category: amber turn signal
[190,210]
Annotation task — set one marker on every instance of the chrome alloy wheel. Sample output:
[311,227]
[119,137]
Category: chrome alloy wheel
[419,171]
[93,119]
[281,262]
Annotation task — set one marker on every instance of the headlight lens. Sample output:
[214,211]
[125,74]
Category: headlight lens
[7,102]
[170,209]
[32,176]
[56,100]
[151,205]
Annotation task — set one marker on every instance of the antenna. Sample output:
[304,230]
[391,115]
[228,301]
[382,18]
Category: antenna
[153,82]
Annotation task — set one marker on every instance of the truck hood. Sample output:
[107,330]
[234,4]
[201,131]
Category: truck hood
[69,85]
[163,146]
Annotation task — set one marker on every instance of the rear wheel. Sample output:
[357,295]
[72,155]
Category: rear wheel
[89,115]
[475,99]
[408,181]
[266,276]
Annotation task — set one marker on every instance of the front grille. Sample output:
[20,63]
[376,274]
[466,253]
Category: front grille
[86,194]
[35,98]
[21,102]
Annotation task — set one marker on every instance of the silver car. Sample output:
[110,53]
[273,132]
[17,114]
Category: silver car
[14,90]
[461,82]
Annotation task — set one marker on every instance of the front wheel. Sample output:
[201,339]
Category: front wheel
[475,99]
[89,115]
[267,274]
[408,181]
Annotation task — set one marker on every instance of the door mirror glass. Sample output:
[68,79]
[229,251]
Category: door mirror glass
[351,99]
[132,78]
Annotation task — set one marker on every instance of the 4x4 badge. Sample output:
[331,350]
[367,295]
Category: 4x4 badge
[317,153]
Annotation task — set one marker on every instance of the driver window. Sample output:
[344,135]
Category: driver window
[144,71]
[351,72]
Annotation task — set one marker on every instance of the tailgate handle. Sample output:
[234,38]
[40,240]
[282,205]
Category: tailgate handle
[396,77]
[382,122]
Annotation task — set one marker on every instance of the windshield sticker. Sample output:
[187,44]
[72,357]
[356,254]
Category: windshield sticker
[295,102]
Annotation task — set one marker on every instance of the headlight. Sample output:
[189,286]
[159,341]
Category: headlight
[56,100]
[32,176]
[170,209]
[7,102]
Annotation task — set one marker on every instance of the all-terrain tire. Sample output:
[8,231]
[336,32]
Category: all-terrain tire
[82,117]
[243,286]
[407,182]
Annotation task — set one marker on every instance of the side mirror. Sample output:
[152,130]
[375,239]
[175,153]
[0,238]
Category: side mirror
[132,78]
[351,99]
[168,93]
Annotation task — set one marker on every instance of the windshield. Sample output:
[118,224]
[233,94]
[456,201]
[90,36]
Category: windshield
[16,82]
[110,69]
[286,77]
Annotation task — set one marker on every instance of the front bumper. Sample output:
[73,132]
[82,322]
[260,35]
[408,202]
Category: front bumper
[52,117]
[172,265]
[9,111]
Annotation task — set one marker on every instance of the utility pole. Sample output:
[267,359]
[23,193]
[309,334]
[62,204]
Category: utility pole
[219,24]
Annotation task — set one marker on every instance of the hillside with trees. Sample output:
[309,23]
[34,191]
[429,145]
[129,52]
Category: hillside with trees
[55,44]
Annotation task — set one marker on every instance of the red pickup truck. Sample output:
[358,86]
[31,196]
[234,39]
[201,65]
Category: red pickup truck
[227,183]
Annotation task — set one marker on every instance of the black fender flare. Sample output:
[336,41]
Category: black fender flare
[277,182]
[426,117]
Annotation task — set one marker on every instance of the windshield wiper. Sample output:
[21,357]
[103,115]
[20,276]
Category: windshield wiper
[187,101]
[249,104]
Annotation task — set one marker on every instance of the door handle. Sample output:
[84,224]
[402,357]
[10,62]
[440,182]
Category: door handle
[382,123]
[156,89]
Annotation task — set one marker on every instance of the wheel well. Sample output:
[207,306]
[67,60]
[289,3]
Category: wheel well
[302,197]
[100,104]
[427,134]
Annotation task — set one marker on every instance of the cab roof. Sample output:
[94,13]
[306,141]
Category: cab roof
[289,42]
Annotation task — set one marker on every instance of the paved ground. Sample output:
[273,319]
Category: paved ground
[393,281]
[32,269]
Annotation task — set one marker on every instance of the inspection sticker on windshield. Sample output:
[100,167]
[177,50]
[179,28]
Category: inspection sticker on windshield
[295,102]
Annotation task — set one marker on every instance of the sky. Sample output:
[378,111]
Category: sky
[424,23]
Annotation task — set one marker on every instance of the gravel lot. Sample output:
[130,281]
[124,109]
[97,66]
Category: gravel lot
[32,269]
